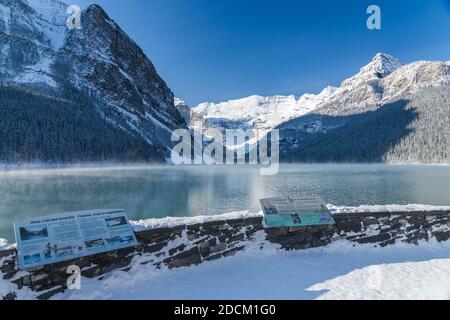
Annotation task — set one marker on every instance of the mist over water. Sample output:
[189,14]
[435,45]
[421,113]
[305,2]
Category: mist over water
[160,191]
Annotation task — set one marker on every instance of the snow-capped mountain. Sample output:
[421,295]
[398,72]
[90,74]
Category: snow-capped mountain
[195,120]
[383,80]
[256,112]
[387,112]
[39,51]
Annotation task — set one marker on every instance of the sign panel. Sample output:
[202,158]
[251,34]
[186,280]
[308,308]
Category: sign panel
[286,212]
[50,239]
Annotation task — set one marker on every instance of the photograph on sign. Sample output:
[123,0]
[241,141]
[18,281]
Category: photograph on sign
[286,212]
[58,238]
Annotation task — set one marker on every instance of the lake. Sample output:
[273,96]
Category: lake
[160,191]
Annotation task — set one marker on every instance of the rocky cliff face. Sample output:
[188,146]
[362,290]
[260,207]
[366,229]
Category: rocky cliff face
[39,51]
[101,57]
[194,120]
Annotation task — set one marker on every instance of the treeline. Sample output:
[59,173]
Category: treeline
[38,128]
[429,140]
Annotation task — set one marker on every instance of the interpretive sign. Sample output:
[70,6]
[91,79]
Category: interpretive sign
[50,239]
[286,212]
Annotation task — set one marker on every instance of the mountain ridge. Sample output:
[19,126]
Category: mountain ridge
[383,80]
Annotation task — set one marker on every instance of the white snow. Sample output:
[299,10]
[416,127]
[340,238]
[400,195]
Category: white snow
[386,208]
[38,73]
[260,113]
[424,280]
[4,244]
[53,15]
[336,272]
[177,221]
[48,20]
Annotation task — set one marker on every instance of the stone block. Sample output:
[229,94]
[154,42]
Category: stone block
[8,266]
[382,237]
[155,247]
[193,227]
[10,275]
[47,295]
[235,222]
[236,238]
[7,253]
[93,272]
[10,296]
[184,259]
[218,248]
[442,236]
[233,251]
[177,249]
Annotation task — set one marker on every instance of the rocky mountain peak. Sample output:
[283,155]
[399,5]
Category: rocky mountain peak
[380,67]
[382,64]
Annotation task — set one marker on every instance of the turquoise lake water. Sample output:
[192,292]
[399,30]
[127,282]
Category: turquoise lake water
[187,191]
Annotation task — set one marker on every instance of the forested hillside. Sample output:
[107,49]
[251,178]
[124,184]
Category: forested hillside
[429,140]
[407,131]
[36,128]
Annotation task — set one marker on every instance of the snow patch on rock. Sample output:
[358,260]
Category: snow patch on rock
[4,245]
[53,16]
[155,223]
[386,208]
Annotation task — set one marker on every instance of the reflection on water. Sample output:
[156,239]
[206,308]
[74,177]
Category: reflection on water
[184,191]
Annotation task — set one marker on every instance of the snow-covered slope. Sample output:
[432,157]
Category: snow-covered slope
[39,51]
[31,31]
[261,113]
[383,80]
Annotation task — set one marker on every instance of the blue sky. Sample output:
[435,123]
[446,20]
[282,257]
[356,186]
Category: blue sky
[215,50]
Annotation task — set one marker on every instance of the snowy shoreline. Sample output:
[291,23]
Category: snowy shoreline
[168,222]
[138,165]
[155,223]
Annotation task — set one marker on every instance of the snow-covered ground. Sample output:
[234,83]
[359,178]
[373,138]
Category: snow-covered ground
[338,271]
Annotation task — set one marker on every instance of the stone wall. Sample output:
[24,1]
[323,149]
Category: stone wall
[377,228]
[187,245]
